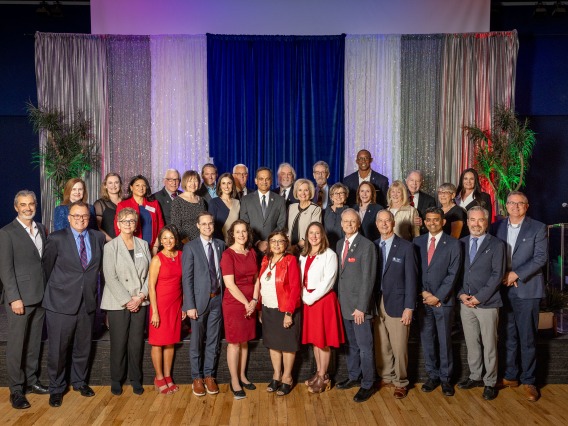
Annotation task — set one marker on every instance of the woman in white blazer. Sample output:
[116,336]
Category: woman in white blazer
[322,322]
[125,298]
[301,214]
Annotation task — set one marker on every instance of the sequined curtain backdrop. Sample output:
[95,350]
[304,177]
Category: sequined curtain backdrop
[71,75]
[129,71]
[420,103]
[373,101]
[180,138]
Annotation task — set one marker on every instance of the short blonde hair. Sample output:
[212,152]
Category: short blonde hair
[301,182]
[398,184]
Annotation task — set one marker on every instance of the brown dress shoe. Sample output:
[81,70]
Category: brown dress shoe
[531,392]
[400,393]
[511,383]
[384,384]
[211,386]
[198,387]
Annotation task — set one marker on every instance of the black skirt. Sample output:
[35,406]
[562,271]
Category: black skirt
[275,336]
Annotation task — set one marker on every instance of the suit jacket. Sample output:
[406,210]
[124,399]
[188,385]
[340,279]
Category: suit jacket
[321,276]
[249,190]
[165,201]
[290,199]
[482,277]
[124,278]
[67,282]
[530,255]
[380,182]
[425,201]
[356,277]
[440,277]
[311,214]
[398,282]
[251,212]
[369,223]
[203,192]
[21,270]
[195,275]
[483,201]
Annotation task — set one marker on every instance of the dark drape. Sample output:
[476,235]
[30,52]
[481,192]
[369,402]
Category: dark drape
[276,99]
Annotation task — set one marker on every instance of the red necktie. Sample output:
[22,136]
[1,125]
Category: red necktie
[411,200]
[431,249]
[345,250]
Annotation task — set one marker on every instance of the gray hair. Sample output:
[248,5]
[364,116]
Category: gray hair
[520,194]
[25,193]
[321,163]
[282,165]
[478,209]
[172,170]
[385,211]
[240,165]
[125,212]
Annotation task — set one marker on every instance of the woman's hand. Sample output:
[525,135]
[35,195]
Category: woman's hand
[155,321]
[288,321]
[134,304]
[183,314]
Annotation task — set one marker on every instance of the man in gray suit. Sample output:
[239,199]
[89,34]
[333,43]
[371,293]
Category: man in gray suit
[264,210]
[202,295]
[484,267]
[72,261]
[22,244]
[356,282]
[168,193]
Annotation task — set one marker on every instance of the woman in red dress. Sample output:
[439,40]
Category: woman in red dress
[238,265]
[323,326]
[166,315]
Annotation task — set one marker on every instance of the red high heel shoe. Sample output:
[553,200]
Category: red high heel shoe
[173,387]
[161,386]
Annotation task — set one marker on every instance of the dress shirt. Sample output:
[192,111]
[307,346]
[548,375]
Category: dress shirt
[465,201]
[85,234]
[479,242]
[415,198]
[437,238]
[260,194]
[285,192]
[350,239]
[212,190]
[388,245]
[206,248]
[512,235]
[367,179]
[33,233]
[325,200]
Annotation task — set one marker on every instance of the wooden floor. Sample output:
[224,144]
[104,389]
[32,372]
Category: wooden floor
[334,408]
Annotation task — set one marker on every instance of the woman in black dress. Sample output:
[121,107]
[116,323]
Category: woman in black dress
[338,194]
[105,207]
[455,216]
[469,192]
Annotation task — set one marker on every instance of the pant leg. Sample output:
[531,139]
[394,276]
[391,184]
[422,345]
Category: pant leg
[82,342]
[196,346]
[526,317]
[119,322]
[509,328]
[136,344]
[383,349]
[398,340]
[33,342]
[472,334]
[443,316]
[488,320]
[212,337]
[353,356]
[60,329]
[428,340]
[364,337]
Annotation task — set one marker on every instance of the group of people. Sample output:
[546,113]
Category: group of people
[352,264]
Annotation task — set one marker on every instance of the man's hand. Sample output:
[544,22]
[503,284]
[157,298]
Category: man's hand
[358,317]
[17,307]
[406,317]
[192,314]
[511,278]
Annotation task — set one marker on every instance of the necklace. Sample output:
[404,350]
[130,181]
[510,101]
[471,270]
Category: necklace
[172,257]
[271,266]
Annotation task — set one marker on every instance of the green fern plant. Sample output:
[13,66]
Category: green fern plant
[502,153]
[70,150]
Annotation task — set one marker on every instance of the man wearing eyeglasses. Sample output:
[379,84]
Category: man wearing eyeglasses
[522,289]
[240,174]
[168,193]
[72,261]
[321,174]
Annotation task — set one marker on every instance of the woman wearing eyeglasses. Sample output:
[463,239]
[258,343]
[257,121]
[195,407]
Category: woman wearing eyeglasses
[454,215]
[125,298]
[338,194]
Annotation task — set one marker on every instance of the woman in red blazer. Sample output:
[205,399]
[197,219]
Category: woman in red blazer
[281,317]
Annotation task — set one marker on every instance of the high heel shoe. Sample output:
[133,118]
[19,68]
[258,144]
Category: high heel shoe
[173,387]
[240,394]
[321,384]
[161,386]
[285,388]
[311,380]
[248,386]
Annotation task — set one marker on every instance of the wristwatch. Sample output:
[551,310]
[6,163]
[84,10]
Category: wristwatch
[288,314]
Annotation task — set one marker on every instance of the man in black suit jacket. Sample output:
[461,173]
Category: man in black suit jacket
[168,193]
[440,263]
[202,295]
[484,268]
[419,199]
[397,275]
[263,210]
[364,172]
[240,174]
[22,243]
[72,261]
[286,177]
[208,188]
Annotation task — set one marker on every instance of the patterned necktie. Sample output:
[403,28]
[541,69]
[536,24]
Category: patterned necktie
[284,193]
[83,251]
[345,250]
[431,249]
[174,195]
[384,254]
[320,197]
[473,250]
[411,199]
[263,206]
[212,269]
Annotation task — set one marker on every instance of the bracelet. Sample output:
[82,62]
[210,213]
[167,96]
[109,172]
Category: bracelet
[255,300]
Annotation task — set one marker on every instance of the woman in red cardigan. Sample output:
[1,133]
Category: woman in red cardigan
[281,317]
[150,219]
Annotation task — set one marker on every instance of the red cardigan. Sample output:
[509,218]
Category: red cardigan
[157,218]
[288,284]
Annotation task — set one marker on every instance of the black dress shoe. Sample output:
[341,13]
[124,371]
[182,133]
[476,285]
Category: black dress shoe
[448,389]
[489,393]
[19,401]
[137,388]
[85,391]
[363,394]
[430,385]
[248,386]
[470,384]
[56,399]
[115,388]
[348,384]
[37,388]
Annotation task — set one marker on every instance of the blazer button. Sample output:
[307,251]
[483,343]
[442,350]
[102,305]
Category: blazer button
[127,279]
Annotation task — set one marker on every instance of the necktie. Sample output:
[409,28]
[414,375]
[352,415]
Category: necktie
[472,250]
[345,250]
[212,269]
[241,194]
[411,199]
[83,251]
[431,249]
[320,197]
[384,254]
[174,195]
[284,193]
[263,206]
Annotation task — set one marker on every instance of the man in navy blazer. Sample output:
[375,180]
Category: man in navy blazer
[484,268]
[356,282]
[202,295]
[418,198]
[365,173]
[397,275]
[440,263]
[523,287]
[72,261]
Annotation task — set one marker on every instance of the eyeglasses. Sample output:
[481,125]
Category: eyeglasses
[339,193]
[80,216]
[519,204]
[172,179]
[241,174]
[277,242]
[127,222]
[320,173]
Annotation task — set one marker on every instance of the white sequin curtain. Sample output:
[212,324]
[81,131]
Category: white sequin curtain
[180,138]
[372,101]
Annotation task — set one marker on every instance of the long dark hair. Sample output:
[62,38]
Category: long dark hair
[477,185]
[148,196]
[173,229]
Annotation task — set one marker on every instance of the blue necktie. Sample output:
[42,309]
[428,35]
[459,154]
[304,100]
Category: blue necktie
[473,250]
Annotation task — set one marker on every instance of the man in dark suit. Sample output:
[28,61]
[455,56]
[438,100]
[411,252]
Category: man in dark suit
[286,177]
[208,189]
[240,174]
[202,296]
[170,190]
[72,261]
[418,198]
[523,287]
[440,262]
[484,267]
[397,275]
[263,210]
[321,174]
[365,173]
[356,282]
[22,243]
